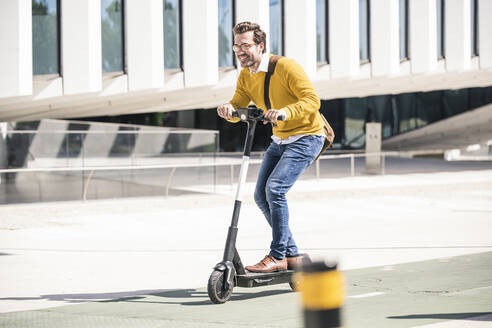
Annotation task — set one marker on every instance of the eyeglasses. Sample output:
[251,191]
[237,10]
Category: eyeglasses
[243,47]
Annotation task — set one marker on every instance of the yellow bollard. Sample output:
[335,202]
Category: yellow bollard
[322,292]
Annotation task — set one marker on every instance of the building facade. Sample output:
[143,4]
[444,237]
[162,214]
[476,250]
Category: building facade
[75,59]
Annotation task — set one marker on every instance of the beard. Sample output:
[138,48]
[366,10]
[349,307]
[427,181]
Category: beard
[246,60]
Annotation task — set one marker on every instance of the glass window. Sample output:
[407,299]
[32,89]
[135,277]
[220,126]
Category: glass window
[406,112]
[277,27]
[112,35]
[355,116]
[45,37]
[403,29]
[440,28]
[474,27]
[379,109]
[455,102]
[364,24]
[226,23]
[322,31]
[172,34]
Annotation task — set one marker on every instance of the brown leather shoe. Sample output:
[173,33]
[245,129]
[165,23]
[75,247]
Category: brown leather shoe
[295,262]
[268,264]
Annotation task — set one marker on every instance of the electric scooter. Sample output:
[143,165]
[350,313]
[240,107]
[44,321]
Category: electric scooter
[230,272]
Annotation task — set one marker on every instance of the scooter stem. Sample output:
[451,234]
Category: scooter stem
[232,233]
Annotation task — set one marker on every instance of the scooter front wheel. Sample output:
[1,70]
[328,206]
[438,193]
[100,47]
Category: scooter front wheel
[295,284]
[216,290]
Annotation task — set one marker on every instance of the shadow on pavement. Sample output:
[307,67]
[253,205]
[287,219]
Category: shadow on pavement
[195,297]
[448,316]
[79,298]
[180,296]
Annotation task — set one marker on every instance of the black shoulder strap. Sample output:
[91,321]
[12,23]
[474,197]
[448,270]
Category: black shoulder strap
[271,69]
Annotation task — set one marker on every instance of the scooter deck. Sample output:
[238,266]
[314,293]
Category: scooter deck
[253,279]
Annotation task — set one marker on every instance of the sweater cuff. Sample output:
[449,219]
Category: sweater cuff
[287,112]
[234,120]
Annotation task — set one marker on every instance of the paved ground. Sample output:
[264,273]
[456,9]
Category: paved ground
[416,251]
[417,294]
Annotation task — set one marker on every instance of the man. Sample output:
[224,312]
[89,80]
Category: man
[296,141]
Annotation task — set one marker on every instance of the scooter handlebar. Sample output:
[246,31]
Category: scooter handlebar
[256,114]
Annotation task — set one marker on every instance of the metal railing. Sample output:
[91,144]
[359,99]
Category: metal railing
[352,157]
[28,156]
[231,163]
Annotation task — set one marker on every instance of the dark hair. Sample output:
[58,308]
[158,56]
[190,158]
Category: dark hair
[258,35]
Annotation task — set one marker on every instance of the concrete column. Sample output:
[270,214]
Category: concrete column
[485,33]
[373,146]
[385,43]
[423,35]
[81,46]
[344,38]
[15,48]
[256,11]
[145,44]
[200,45]
[99,145]
[300,33]
[457,23]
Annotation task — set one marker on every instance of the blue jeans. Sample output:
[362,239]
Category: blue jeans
[280,168]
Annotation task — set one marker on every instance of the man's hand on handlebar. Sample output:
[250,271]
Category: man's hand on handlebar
[274,115]
[225,111]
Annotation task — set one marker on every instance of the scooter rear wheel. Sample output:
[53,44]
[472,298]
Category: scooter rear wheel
[295,284]
[216,290]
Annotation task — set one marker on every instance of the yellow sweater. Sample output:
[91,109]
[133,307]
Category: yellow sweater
[290,90]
